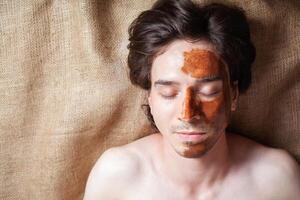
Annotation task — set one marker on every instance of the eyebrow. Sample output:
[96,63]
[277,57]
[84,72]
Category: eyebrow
[209,79]
[165,82]
[202,80]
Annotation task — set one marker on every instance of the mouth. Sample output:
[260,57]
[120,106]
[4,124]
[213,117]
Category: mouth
[190,132]
[191,136]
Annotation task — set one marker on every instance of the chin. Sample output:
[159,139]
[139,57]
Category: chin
[189,149]
[192,151]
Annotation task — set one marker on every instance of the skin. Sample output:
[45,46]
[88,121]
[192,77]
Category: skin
[218,166]
[200,64]
[195,97]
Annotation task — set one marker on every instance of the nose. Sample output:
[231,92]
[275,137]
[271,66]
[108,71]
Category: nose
[189,107]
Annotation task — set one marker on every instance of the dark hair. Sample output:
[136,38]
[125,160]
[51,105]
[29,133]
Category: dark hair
[224,26]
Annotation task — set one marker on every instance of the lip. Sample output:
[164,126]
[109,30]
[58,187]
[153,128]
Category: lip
[190,133]
[191,136]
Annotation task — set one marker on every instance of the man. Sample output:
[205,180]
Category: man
[194,61]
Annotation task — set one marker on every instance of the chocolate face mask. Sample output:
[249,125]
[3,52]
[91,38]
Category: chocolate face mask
[201,64]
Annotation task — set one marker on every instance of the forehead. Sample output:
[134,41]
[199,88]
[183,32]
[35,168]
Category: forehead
[182,58]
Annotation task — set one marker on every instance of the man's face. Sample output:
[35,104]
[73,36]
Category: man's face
[190,97]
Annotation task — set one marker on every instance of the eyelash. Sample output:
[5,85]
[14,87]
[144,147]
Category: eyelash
[212,94]
[206,95]
[168,97]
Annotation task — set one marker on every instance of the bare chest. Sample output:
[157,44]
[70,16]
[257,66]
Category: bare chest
[153,187]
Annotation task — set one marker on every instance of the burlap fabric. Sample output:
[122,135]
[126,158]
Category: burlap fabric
[66,97]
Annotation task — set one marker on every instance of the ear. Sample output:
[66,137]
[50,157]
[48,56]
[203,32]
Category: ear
[235,96]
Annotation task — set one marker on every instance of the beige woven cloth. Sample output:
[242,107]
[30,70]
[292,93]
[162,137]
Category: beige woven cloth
[65,95]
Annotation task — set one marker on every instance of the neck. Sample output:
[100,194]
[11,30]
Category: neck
[200,172]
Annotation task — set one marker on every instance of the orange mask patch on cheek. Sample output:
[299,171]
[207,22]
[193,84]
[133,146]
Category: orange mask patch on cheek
[211,108]
[200,64]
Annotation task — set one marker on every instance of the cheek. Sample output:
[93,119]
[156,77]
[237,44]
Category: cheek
[163,111]
[212,109]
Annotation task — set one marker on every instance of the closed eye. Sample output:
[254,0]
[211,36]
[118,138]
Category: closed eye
[210,94]
[167,92]
[168,96]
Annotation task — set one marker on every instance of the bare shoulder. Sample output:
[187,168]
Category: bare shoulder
[272,169]
[119,168]
[276,170]
[115,168]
